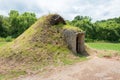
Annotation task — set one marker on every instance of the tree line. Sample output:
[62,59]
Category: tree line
[16,23]
[108,30]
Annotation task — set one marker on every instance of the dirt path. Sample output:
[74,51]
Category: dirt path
[93,69]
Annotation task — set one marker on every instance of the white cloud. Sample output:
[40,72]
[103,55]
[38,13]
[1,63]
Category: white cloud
[97,9]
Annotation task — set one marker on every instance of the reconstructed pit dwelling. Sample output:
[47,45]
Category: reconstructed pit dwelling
[46,38]
[73,38]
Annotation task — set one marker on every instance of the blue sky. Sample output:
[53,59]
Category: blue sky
[96,9]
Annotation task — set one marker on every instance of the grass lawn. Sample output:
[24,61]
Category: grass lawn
[3,43]
[105,46]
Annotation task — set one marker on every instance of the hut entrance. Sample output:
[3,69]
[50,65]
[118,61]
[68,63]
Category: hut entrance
[80,43]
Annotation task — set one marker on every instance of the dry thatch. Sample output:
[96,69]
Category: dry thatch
[55,19]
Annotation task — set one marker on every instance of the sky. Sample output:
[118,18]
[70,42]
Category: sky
[96,9]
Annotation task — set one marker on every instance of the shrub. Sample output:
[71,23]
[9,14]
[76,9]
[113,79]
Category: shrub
[8,39]
[89,40]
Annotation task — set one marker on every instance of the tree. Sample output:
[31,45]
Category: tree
[20,22]
[16,23]
[25,20]
[84,22]
[3,26]
[13,17]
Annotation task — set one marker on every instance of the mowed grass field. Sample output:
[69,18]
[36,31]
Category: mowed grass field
[105,46]
[3,43]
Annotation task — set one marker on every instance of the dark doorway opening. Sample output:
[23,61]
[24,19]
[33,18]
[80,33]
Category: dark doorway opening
[80,47]
[78,44]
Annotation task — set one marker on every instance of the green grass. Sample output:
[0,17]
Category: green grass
[3,43]
[11,74]
[105,46]
[70,62]
[69,27]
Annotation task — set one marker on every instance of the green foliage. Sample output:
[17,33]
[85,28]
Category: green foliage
[8,39]
[4,26]
[85,24]
[107,30]
[89,40]
[16,23]
[19,23]
[13,13]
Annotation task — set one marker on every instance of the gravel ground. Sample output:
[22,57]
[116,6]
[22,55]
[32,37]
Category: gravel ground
[93,69]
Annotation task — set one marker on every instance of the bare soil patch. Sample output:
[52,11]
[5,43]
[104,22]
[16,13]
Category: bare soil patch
[93,69]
